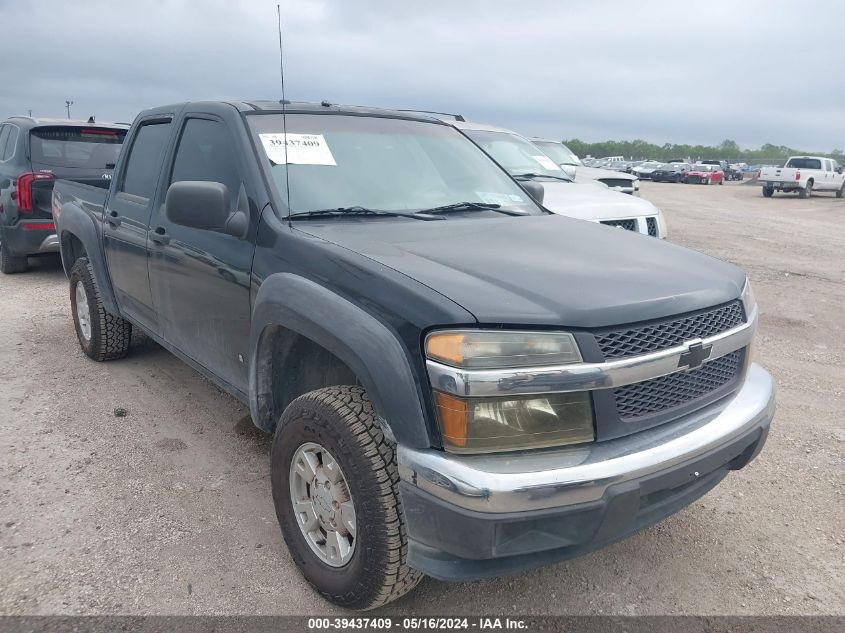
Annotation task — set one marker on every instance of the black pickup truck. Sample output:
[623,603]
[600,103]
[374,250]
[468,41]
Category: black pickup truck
[460,383]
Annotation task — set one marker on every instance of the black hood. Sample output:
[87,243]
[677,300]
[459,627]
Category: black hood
[541,270]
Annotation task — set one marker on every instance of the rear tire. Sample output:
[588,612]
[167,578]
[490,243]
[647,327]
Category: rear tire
[102,336]
[768,192]
[11,264]
[807,191]
[340,422]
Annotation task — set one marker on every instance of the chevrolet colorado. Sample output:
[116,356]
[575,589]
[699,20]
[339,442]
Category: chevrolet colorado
[459,382]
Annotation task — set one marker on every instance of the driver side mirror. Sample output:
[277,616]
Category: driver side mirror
[839,170]
[204,205]
[535,190]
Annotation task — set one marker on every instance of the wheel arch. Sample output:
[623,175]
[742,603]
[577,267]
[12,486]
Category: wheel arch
[306,337]
[79,237]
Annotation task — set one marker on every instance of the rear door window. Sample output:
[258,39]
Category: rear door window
[76,147]
[145,157]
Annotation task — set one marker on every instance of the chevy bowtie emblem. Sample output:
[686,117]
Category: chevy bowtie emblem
[695,355]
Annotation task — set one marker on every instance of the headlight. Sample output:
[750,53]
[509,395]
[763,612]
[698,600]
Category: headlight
[748,300]
[484,425]
[487,425]
[495,349]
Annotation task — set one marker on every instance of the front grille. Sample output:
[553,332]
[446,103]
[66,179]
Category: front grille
[651,223]
[628,225]
[668,392]
[694,180]
[617,182]
[655,336]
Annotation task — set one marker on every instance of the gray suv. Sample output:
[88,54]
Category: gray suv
[33,153]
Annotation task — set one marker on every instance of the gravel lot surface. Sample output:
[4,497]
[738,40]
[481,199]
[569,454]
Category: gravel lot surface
[168,509]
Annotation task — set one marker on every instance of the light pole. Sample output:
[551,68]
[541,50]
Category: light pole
[67,105]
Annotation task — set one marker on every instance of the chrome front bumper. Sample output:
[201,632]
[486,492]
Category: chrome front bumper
[540,480]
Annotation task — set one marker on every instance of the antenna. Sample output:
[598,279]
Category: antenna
[284,102]
[67,105]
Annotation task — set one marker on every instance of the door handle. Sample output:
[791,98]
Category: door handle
[160,236]
[114,219]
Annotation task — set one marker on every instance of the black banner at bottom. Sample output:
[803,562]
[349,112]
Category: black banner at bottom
[487,623]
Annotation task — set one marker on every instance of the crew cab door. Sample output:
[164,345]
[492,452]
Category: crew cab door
[200,279]
[829,175]
[126,218]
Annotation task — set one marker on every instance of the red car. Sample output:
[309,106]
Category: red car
[705,175]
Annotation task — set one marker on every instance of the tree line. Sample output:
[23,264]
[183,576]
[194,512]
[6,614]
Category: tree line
[727,150]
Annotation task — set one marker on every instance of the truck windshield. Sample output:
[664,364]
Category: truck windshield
[804,163]
[516,154]
[76,147]
[340,162]
[558,152]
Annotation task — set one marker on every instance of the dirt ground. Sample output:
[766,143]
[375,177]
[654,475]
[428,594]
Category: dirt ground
[168,510]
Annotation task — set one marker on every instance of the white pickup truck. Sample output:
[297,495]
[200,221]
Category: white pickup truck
[804,174]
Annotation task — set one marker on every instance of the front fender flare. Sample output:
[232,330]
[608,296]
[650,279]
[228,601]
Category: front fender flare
[367,346]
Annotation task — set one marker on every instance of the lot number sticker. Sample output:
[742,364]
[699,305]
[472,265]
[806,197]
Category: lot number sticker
[546,162]
[302,149]
[503,199]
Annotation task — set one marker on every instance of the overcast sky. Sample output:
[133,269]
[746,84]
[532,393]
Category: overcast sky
[756,71]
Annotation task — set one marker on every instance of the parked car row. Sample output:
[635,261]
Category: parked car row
[461,382]
[702,173]
[643,169]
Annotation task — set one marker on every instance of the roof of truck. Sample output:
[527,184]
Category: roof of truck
[299,107]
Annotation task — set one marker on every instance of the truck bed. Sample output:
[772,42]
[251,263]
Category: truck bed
[89,196]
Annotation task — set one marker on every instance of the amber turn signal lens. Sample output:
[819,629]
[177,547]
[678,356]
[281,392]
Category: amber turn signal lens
[453,419]
[446,347]
[501,349]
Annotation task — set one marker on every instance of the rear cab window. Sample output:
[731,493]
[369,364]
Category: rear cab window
[71,147]
[804,163]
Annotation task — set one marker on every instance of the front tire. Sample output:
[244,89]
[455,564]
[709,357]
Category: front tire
[841,191]
[768,192]
[102,336]
[329,452]
[11,264]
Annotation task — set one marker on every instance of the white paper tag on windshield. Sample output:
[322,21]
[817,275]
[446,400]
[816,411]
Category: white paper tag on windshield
[303,149]
[503,199]
[546,162]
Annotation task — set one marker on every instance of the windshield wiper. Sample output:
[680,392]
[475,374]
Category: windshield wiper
[532,176]
[471,206]
[338,212]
